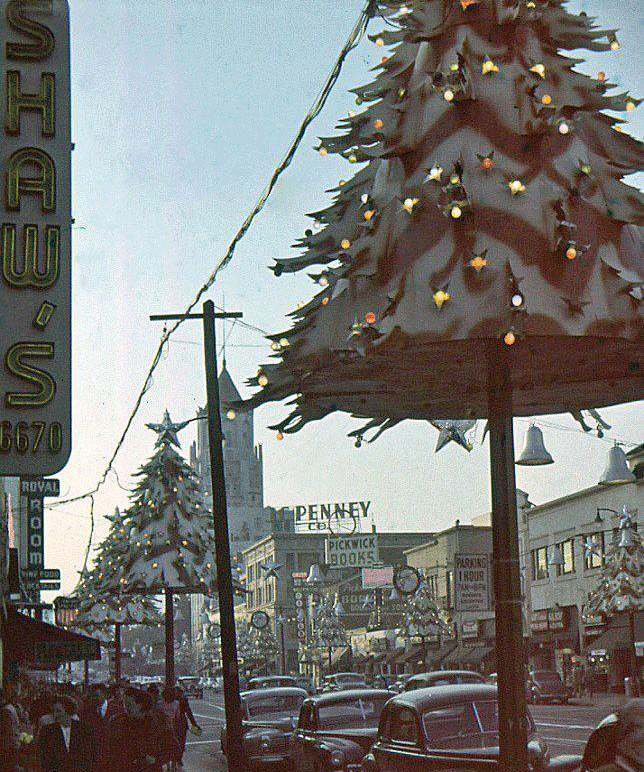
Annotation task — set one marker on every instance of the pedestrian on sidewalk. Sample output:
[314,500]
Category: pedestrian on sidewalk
[65,744]
[578,677]
[589,683]
[9,729]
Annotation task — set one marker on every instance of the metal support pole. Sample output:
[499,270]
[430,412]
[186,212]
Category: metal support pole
[283,642]
[169,637]
[507,581]
[222,550]
[117,652]
[634,669]
[86,671]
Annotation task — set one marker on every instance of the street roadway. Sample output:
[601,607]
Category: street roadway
[564,727]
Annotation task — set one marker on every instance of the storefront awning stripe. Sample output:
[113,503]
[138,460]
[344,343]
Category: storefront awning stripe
[31,641]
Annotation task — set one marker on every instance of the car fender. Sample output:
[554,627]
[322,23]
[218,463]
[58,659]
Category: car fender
[568,763]
[352,750]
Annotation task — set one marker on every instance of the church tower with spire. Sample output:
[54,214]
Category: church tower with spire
[243,468]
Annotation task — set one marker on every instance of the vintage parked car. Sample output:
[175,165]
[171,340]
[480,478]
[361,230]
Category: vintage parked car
[442,678]
[271,682]
[191,686]
[451,728]
[269,717]
[305,682]
[336,682]
[618,740]
[335,730]
[546,686]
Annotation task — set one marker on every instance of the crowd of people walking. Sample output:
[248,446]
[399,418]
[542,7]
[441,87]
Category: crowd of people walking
[120,728]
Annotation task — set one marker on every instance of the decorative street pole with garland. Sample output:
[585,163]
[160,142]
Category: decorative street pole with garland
[481,263]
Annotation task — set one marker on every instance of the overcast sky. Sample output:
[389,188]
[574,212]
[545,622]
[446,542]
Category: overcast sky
[181,110]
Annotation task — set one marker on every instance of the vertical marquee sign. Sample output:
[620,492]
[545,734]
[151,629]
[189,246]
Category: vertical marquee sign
[35,238]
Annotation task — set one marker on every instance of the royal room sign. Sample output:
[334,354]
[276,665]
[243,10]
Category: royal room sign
[35,238]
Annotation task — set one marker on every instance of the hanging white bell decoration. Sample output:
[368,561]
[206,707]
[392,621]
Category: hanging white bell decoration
[534,451]
[315,574]
[616,471]
[626,538]
[394,595]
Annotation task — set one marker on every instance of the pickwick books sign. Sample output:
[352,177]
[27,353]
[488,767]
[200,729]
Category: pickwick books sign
[35,238]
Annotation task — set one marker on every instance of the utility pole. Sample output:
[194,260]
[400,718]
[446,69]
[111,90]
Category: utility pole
[230,665]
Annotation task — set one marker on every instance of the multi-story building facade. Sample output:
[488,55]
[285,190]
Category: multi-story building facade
[286,598]
[469,640]
[559,573]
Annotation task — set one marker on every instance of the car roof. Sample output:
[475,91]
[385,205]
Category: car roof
[347,695]
[437,674]
[275,691]
[272,678]
[437,696]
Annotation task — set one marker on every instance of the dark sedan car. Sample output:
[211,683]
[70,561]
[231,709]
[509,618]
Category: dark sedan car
[449,728]
[271,682]
[335,730]
[442,678]
[268,719]
[546,686]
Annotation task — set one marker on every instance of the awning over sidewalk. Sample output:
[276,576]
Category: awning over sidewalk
[617,634]
[476,655]
[30,641]
[445,652]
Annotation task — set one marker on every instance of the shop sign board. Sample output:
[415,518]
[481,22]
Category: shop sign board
[556,619]
[382,576]
[470,629]
[471,582]
[539,621]
[336,517]
[357,551]
[35,238]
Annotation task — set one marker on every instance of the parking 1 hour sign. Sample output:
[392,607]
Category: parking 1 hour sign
[35,238]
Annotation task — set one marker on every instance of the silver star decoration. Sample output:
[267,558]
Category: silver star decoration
[453,431]
[167,430]
[271,568]
[592,547]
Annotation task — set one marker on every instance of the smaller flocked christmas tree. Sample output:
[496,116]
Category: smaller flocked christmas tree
[265,648]
[328,626]
[423,618]
[621,587]
[101,600]
[171,536]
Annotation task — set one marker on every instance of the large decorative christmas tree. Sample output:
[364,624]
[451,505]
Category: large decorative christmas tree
[488,206]
[171,539]
[621,588]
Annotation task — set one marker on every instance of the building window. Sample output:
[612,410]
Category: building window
[594,558]
[260,599]
[251,571]
[567,549]
[290,561]
[448,588]
[540,563]
[433,586]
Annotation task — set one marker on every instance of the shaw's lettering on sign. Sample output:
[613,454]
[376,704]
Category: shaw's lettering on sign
[35,238]
[352,551]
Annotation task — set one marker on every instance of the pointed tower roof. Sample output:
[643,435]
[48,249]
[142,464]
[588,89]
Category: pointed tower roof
[227,390]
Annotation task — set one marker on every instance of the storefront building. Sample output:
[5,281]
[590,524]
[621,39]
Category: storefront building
[559,572]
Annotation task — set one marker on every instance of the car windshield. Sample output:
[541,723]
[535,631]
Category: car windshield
[287,705]
[472,724]
[351,713]
[350,679]
[271,682]
[547,676]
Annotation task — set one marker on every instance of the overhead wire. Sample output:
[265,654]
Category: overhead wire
[354,38]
